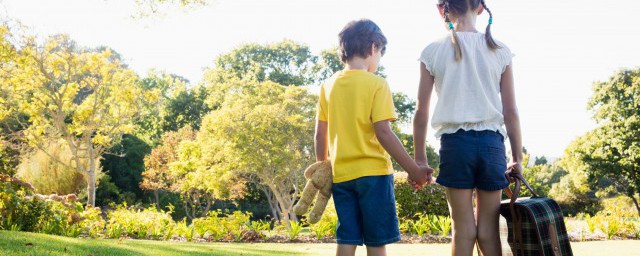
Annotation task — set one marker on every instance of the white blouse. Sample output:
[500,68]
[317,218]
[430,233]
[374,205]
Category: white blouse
[468,91]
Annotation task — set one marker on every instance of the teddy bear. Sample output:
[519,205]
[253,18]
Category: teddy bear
[319,180]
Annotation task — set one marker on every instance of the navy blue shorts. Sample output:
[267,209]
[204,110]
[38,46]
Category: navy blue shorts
[473,159]
[366,210]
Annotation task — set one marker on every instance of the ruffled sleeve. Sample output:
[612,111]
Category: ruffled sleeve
[426,57]
[505,55]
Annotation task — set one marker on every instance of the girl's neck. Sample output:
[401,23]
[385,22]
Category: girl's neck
[466,23]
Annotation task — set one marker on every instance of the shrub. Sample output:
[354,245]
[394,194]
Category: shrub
[428,200]
[295,227]
[217,227]
[149,223]
[443,225]
[326,226]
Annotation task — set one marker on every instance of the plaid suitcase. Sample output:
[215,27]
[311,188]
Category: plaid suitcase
[535,224]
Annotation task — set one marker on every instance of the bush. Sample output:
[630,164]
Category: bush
[429,200]
[21,209]
[216,226]
[149,223]
[326,226]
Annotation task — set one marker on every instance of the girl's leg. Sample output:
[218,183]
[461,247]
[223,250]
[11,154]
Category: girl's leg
[462,221]
[346,250]
[376,251]
[488,211]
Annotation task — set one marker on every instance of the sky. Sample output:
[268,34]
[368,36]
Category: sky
[561,47]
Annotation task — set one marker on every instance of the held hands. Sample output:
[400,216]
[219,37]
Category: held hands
[422,177]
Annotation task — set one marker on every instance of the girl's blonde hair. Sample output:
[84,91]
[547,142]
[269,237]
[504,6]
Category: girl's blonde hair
[460,7]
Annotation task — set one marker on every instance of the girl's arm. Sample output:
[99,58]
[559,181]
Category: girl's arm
[321,142]
[511,119]
[421,118]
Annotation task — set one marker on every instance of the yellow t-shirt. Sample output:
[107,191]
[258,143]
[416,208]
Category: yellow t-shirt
[351,101]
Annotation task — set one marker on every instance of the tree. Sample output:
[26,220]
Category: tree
[285,63]
[151,8]
[87,98]
[612,150]
[10,129]
[181,165]
[540,161]
[264,130]
[157,177]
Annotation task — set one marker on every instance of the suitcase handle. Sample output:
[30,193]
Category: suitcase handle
[516,190]
[517,220]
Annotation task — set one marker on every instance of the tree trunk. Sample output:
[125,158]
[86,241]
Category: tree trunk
[155,193]
[635,201]
[273,205]
[91,188]
[284,205]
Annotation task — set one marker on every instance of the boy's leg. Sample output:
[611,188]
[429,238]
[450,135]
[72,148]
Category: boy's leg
[346,250]
[462,220]
[378,208]
[376,251]
[349,229]
[488,215]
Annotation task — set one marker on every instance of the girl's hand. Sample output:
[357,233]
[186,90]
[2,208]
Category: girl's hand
[514,169]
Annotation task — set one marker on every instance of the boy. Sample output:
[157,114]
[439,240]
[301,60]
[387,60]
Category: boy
[354,110]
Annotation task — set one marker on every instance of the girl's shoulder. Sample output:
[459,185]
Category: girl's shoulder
[437,44]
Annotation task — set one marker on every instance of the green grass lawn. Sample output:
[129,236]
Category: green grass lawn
[14,243]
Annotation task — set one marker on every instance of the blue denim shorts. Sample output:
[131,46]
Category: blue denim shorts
[473,159]
[366,210]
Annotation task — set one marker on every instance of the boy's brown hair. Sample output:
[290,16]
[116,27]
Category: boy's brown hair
[357,38]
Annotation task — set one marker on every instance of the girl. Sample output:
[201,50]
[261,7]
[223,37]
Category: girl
[473,79]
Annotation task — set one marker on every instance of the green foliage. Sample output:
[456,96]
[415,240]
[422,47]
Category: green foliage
[540,161]
[428,200]
[217,226]
[405,107]
[443,225]
[125,168]
[149,223]
[84,97]
[573,192]
[612,150]
[246,135]
[295,227]
[285,63]
[326,226]
[422,224]
[541,177]
[20,209]
[9,155]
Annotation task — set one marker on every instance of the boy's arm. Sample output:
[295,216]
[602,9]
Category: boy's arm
[394,147]
[421,118]
[511,119]
[321,142]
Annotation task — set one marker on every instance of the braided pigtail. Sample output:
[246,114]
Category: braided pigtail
[487,35]
[454,36]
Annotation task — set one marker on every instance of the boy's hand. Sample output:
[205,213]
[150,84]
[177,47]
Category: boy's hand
[423,176]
